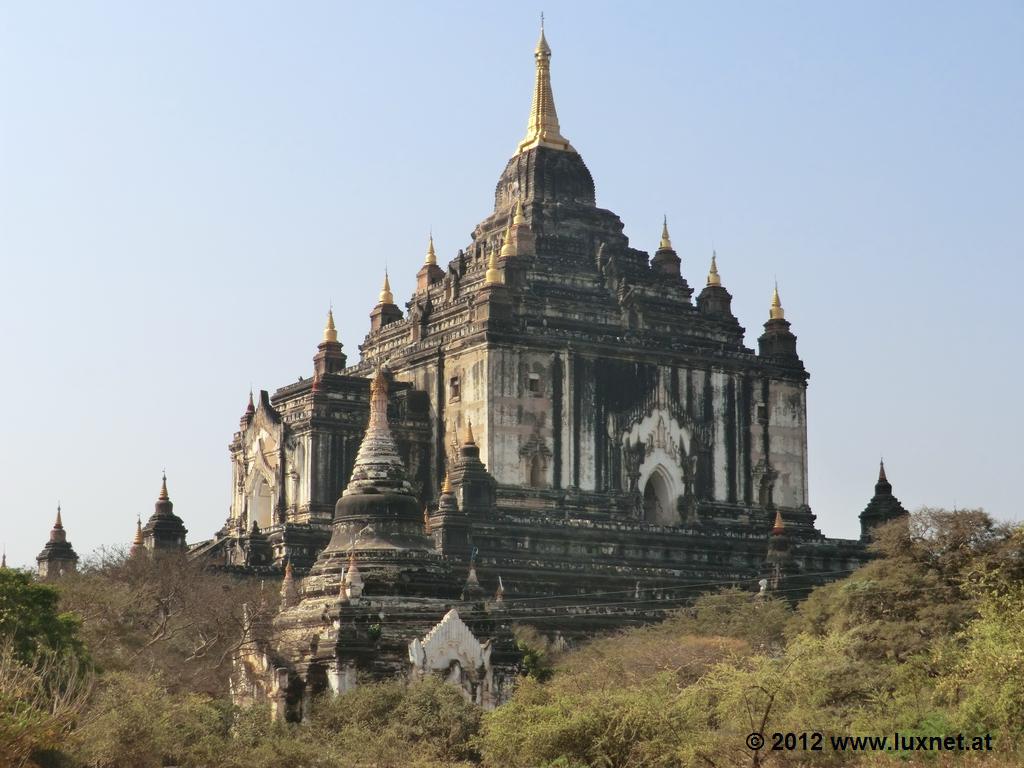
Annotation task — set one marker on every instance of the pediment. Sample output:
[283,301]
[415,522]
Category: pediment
[449,641]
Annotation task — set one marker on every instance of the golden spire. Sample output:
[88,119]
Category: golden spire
[385,292]
[446,486]
[665,244]
[779,526]
[518,219]
[542,129]
[713,278]
[776,312]
[58,523]
[506,244]
[137,541]
[431,255]
[493,274]
[330,332]
[469,433]
[163,489]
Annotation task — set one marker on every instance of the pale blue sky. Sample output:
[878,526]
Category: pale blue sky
[185,186]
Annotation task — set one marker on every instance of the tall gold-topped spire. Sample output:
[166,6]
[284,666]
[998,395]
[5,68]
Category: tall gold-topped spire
[385,292]
[666,243]
[330,332]
[57,523]
[446,487]
[776,312]
[469,433]
[163,488]
[542,129]
[431,255]
[713,278]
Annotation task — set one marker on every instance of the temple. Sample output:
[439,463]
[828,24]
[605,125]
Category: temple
[552,429]
[883,506]
[58,557]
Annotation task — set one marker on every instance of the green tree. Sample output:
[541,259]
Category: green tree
[985,679]
[916,590]
[30,620]
[136,721]
[39,701]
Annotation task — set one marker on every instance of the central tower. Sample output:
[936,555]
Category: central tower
[593,382]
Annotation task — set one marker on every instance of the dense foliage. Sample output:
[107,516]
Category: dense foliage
[927,639]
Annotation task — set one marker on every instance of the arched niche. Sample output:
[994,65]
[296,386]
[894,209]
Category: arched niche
[261,503]
[660,498]
[538,473]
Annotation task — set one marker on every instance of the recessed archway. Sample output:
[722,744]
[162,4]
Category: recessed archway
[659,501]
[537,473]
[260,503]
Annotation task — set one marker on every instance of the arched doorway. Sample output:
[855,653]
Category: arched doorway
[537,472]
[260,504]
[659,503]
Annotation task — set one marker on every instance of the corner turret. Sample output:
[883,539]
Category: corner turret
[429,273]
[883,506]
[164,531]
[666,261]
[778,341]
[329,357]
[385,311]
[715,300]
[58,557]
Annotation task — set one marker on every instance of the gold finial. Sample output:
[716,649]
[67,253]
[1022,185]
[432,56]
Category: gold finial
[493,274]
[507,248]
[385,292]
[779,526]
[469,433]
[776,312]
[542,129]
[881,472]
[138,532]
[58,523]
[330,332]
[163,488]
[666,243]
[518,219]
[431,255]
[446,486]
[713,278]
